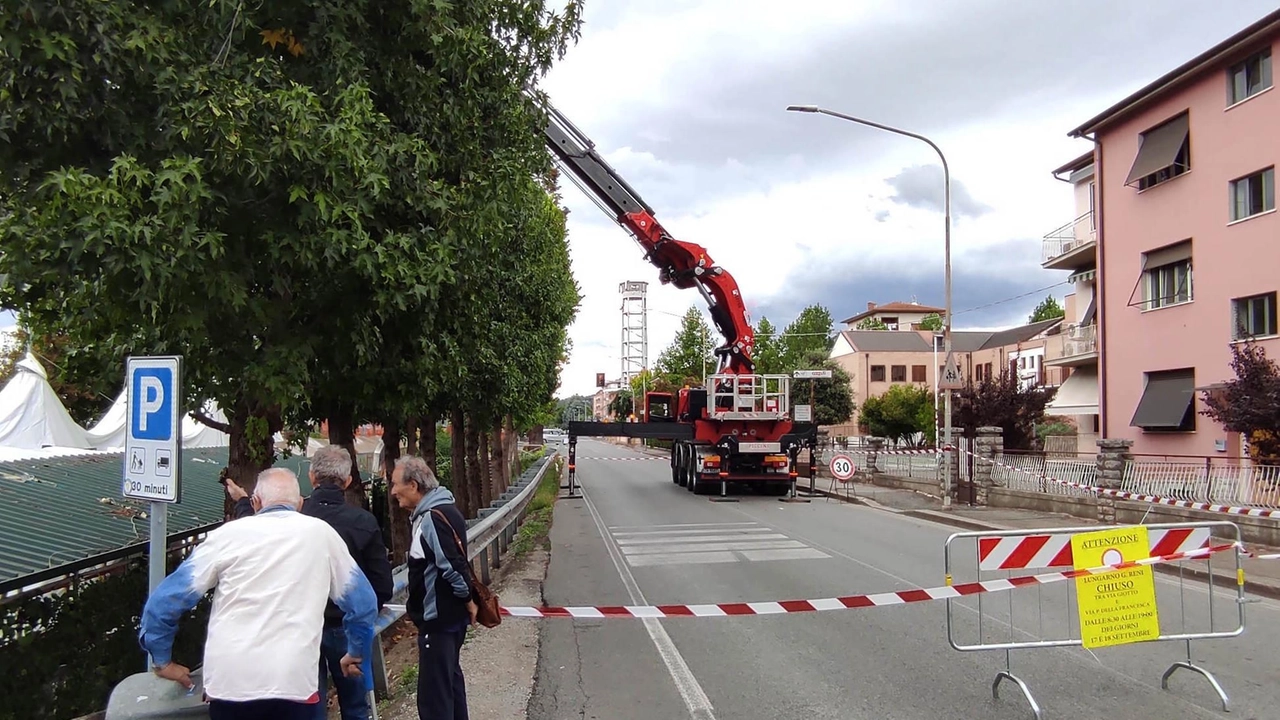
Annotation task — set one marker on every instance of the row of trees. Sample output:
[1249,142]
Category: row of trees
[332,211]
[805,343]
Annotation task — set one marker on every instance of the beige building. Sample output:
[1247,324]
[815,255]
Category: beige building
[895,315]
[876,360]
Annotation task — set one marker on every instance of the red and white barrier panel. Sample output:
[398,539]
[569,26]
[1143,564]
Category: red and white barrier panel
[1054,550]
[1122,495]
[842,603]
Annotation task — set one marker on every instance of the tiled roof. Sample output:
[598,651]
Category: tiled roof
[898,307]
[56,511]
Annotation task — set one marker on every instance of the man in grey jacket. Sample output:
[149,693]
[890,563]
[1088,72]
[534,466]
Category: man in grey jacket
[440,600]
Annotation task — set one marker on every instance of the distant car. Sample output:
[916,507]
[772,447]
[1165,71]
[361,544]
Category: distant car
[555,436]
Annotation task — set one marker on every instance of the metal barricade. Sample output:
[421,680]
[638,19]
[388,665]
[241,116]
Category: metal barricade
[1046,615]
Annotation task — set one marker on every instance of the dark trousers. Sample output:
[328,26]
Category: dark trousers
[261,710]
[353,698]
[442,691]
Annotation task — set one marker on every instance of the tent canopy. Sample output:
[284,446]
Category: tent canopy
[31,413]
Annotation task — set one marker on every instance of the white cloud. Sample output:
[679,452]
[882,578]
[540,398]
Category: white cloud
[686,98]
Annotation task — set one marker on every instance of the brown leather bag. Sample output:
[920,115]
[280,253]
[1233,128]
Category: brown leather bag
[488,613]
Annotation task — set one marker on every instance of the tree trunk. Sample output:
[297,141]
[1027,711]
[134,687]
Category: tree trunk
[488,478]
[497,460]
[398,517]
[247,456]
[427,427]
[458,462]
[473,479]
[411,436]
[513,450]
[342,432]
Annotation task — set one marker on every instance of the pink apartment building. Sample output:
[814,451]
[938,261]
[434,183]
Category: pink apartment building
[1180,223]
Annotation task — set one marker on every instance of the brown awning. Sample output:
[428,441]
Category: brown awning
[1159,148]
[1167,255]
[1165,401]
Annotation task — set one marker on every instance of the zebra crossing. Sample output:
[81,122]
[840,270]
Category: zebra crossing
[637,457]
[707,543]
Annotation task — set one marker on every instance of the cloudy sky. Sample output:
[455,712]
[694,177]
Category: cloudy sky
[687,98]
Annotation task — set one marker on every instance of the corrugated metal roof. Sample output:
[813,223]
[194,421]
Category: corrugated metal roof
[56,511]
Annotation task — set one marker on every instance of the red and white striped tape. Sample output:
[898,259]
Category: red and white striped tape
[923,451]
[1123,495]
[1024,552]
[900,597]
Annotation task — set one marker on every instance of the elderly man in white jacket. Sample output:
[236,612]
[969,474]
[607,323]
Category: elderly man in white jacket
[272,573]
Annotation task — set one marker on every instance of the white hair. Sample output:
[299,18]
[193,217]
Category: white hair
[416,470]
[277,486]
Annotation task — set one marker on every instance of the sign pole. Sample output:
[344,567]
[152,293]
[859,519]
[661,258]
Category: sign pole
[152,467]
[157,546]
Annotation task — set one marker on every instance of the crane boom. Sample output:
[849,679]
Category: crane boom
[682,264]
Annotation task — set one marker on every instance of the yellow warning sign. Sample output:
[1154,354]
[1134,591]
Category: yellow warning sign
[1118,607]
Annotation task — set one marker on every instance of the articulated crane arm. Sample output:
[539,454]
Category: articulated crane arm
[679,263]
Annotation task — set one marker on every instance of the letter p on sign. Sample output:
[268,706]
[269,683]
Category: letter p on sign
[151,404]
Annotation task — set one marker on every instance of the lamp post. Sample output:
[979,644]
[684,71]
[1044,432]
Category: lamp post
[946,320]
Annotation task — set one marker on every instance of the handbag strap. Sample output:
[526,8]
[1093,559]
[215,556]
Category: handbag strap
[457,540]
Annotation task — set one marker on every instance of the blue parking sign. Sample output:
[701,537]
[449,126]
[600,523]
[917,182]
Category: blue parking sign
[151,416]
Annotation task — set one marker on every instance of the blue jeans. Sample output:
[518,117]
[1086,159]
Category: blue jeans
[353,693]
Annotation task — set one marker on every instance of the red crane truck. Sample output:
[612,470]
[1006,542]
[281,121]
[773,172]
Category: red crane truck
[738,428]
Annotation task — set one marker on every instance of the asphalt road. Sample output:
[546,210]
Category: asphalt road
[636,538]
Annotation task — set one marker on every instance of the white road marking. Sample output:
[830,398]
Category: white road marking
[659,533]
[801,554]
[695,698]
[698,558]
[684,525]
[629,550]
[742,537]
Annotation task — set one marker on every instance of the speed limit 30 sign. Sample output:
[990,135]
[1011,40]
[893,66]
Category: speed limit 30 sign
[842,467]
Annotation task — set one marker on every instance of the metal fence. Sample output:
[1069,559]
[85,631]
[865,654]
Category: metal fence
[1204,480]
[1030,472]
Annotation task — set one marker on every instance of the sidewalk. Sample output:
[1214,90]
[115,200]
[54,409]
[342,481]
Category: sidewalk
[1262,577]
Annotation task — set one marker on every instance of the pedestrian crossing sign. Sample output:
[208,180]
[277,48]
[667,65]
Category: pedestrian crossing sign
[951,378]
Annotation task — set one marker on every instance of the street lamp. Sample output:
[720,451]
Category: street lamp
[946,320]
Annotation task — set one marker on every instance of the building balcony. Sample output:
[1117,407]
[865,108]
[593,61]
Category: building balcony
[1077,345]
[1072,246]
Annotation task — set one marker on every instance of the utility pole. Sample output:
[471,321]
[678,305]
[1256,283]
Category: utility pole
[946,320]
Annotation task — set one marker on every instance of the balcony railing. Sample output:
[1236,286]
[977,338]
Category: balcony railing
[1068,237]
[1079,340]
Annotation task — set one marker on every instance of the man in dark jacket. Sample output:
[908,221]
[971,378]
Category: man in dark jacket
[440,598]
[330,475]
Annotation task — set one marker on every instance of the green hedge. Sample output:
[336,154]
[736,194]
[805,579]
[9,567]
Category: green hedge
[61,654]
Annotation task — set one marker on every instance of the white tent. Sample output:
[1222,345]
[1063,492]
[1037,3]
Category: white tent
[31,414]
[108,433]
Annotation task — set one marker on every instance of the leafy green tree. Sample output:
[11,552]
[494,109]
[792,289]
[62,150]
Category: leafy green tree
[813,330]
[690,354]
[932,321]
[833,397]
[1001,402]
[1048,309]
[872,323]
[899,414]
[574,407]
[768,349]
[621,406]
[265,206]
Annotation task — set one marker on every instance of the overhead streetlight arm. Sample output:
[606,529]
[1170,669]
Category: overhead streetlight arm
[946,184]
